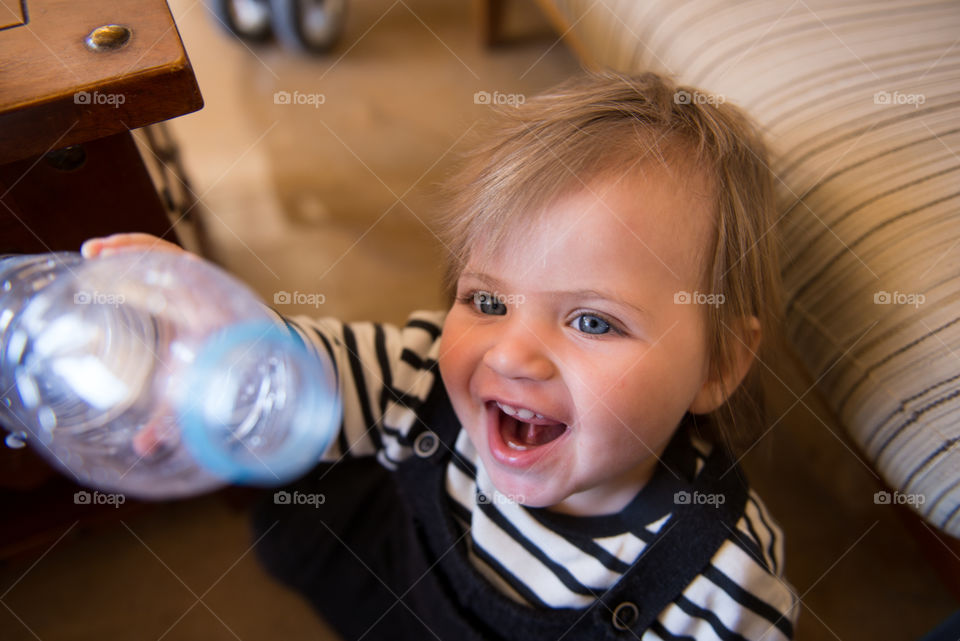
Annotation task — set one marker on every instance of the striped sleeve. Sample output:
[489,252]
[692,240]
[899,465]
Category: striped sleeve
[384,373]
[742,594]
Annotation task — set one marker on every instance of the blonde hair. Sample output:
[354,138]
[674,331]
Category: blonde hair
[595,124]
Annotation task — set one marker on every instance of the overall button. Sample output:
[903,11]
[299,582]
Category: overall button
[625,615]
[426,444]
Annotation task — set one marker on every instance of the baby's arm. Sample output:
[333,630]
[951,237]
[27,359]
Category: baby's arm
[383,372]
[384,375]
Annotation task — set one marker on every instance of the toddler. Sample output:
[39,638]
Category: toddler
[554,456]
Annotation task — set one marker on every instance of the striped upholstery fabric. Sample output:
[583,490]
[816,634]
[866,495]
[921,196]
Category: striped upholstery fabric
[861,104]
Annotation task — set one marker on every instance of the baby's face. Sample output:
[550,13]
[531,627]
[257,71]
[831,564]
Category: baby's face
[565,356]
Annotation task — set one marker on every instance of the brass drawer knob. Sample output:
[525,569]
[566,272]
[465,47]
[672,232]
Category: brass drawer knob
[108,37]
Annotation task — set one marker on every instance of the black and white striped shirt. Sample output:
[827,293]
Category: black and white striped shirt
[534,556]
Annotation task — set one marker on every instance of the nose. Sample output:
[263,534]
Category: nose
[518,352]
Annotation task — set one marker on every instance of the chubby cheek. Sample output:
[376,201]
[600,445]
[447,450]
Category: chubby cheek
[637,403]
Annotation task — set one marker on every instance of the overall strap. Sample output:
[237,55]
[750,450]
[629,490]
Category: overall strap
[682,550]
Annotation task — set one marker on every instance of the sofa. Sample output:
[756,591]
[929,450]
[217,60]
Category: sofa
[860,102]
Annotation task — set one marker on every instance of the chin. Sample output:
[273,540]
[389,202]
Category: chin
[528,494]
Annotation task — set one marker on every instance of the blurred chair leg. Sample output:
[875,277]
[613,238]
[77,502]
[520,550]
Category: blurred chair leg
[175,189]
[491,20]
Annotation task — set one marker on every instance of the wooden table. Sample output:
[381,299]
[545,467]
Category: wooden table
[57,91]
[70,170]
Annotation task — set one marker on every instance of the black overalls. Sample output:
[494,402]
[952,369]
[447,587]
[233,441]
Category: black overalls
[383,558]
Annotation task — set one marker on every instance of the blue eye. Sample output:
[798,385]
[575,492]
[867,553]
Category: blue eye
[590,324]
[488,304]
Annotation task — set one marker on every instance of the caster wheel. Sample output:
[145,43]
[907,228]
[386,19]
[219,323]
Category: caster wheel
[248,20]
[308,25]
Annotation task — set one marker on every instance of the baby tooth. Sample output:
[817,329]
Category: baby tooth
[506,408]
[524,414]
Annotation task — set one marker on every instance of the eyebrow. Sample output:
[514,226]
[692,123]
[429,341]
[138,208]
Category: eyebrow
[575,293]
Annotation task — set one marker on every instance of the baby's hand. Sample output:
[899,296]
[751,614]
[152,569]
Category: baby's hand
[154,437]
[126,242]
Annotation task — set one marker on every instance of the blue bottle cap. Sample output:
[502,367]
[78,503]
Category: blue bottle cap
[257,406]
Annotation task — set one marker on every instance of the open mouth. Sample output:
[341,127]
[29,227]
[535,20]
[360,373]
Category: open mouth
[522,429]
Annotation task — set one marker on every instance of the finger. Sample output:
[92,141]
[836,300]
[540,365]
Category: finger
[91,248]
[126,242]
[146,441]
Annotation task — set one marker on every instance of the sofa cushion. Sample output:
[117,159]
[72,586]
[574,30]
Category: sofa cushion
[860,102]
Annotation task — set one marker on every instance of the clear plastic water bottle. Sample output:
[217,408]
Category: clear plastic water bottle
[157,375]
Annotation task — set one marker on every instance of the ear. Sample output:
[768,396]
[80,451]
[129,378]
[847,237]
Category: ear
[716,391]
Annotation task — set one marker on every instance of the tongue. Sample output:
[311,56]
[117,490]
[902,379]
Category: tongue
[531,435]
